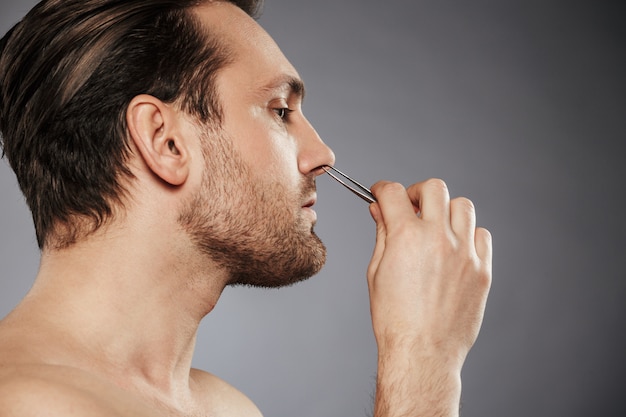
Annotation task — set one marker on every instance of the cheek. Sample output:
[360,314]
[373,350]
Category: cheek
[285,165]
[267,149]
[275,158]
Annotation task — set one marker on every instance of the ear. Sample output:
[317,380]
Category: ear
[155,130]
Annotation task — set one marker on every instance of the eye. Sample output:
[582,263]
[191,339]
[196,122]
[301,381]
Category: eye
[283,113]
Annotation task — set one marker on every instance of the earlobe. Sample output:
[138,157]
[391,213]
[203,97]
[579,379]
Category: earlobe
[154,129]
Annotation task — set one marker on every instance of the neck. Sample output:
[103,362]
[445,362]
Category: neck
[128,304]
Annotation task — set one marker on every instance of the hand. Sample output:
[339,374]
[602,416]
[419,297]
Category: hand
[428,281]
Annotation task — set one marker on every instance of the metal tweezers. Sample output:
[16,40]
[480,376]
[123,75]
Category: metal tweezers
[356,188]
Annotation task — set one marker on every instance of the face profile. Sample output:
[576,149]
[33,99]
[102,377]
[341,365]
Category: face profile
[253,214]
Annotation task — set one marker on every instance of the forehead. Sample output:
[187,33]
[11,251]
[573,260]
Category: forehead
[255,56]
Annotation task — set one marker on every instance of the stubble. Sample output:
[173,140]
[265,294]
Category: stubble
[254,230]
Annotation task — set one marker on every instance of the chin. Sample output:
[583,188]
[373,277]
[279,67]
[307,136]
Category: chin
[282,268]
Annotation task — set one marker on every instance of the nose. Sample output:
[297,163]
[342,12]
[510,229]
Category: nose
[313,152]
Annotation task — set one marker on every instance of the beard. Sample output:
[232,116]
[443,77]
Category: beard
[254,230]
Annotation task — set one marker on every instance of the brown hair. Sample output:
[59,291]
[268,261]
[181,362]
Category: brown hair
[68,71]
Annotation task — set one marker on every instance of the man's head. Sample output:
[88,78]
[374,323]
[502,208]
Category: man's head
[69,70]
[192,101]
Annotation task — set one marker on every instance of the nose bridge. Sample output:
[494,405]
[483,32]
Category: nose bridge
[313,152]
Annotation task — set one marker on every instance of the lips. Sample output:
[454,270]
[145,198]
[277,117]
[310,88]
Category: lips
[310,202]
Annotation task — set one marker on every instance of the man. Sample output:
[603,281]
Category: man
[163,152]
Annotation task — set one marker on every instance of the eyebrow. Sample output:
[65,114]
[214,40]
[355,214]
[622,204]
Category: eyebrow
[293,84]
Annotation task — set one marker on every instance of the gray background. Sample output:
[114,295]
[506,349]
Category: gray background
[519,105]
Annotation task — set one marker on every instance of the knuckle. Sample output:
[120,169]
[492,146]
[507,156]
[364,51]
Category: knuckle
[393,187]
[484,277]
[464,204]
[436,184]
[475,271]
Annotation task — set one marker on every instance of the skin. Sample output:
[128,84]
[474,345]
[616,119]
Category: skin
[110,324]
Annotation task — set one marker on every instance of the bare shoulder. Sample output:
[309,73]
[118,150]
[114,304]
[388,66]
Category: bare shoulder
[34,390]
[215,394]
[30,394]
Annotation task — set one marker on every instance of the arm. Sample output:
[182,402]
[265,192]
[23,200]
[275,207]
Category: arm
[428,281]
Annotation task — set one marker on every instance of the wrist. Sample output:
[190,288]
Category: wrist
[440,353]
[415,382]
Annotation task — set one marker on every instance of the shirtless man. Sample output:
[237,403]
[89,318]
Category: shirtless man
[140,132]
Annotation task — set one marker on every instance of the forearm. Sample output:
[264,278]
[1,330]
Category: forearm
[417,384]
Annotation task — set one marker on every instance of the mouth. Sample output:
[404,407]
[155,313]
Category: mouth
[310,202]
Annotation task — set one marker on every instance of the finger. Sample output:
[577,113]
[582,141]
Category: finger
[484,245]
[379,248]
[463,219]
[394,203]
[432,198]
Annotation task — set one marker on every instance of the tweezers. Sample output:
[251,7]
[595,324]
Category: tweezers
[358,189]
